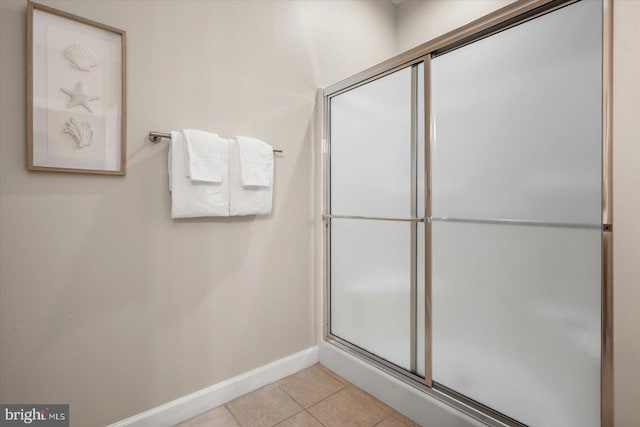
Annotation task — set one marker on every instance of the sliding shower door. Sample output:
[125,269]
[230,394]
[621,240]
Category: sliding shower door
[516,230]
[374,204]
[470,253]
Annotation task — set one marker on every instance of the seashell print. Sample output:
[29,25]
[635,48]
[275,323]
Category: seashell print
[81,57]
[82,133]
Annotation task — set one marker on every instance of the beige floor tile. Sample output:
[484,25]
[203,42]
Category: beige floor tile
[391,422]
[264,407]
[310,386]
[333,374]
[303,419]
[347,408]
[370,398]
[218,417]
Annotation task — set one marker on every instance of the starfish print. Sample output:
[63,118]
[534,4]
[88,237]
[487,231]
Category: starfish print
[79,97]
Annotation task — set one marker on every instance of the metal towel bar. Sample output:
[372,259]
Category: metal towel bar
[155,137]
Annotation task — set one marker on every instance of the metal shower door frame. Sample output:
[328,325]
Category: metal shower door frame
[506,17]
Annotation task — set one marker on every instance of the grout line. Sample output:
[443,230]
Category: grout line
[301,405]
[343,386]
[290,416]
[325,398]
[334,375]
[378,423]
[232,414]
[293,398]
[312,416]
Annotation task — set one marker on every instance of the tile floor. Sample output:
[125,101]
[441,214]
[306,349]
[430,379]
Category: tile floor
[314,397]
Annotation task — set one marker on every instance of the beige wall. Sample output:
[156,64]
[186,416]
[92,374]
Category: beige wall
[626,212]
[420,21]
[105,302]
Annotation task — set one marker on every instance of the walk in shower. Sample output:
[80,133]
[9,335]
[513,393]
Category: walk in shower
[467,215]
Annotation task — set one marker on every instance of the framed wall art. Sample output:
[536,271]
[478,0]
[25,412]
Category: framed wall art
[76,94]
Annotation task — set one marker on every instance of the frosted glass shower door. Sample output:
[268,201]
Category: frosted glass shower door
[371,288]
[373,226]
[516,227]
[371,148]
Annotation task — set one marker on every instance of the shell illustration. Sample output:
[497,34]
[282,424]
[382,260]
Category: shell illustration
[82,133]
[81,57]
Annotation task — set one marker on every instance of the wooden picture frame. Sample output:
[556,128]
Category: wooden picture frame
[76,94]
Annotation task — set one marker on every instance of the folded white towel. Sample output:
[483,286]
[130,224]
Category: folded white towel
[194,198]
[256,162]
[246,200]
[204,155]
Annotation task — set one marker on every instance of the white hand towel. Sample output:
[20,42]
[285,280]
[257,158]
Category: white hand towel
[249,200]
[256,162]
[191,199]
[204,155]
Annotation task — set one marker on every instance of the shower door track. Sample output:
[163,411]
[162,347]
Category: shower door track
[445,395]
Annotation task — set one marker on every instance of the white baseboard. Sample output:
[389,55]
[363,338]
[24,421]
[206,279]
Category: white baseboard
[208,398]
